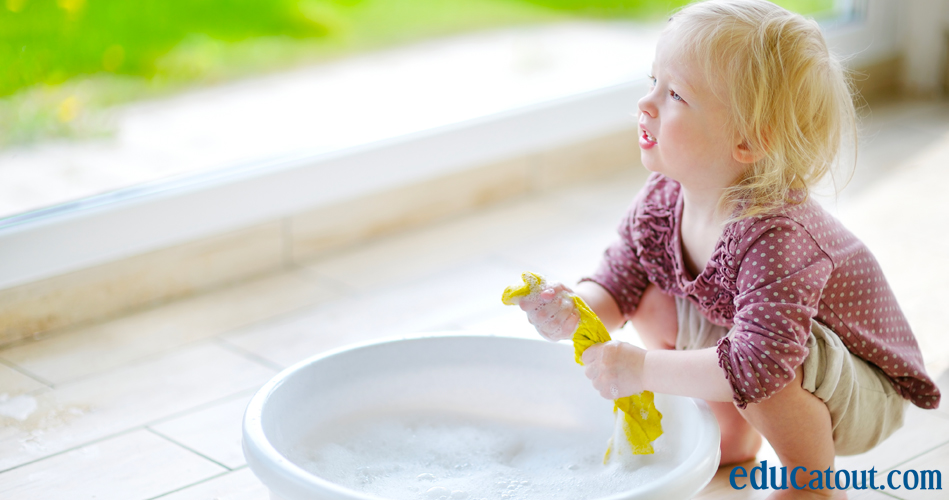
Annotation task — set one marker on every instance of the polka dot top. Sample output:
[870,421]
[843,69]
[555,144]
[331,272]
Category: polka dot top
[768,277]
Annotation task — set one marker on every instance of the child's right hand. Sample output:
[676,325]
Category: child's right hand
[552,312]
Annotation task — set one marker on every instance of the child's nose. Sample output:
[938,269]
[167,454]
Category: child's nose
[647,106]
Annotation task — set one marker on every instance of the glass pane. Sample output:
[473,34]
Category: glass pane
[86,82]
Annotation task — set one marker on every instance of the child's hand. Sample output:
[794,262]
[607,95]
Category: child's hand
[616,368]
[552,312]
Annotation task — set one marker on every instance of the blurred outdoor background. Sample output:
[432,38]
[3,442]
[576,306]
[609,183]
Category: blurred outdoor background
[69,66]
[67,63]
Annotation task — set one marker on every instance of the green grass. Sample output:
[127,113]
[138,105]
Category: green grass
[66,62]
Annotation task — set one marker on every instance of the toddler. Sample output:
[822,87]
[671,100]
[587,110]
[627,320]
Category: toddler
[746,292]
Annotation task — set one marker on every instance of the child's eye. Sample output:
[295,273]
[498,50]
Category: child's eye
[675,96]
[652,79]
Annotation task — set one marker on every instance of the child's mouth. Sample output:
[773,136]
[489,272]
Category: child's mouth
[647,141]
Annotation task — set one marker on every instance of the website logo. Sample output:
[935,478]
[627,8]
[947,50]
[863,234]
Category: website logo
[763,477]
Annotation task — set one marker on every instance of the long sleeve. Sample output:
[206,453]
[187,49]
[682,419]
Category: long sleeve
[768,279]
[780,278]
[644,252]
[621,275]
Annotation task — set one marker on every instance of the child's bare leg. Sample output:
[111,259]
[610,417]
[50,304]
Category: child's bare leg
[657,323]
[798,426]
[740,441]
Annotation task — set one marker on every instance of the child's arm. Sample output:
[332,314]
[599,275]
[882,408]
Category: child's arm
[602,304]
[780,275]
[694,374]
[619,369]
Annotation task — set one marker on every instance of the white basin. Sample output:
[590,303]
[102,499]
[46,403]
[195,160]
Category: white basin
[531,385]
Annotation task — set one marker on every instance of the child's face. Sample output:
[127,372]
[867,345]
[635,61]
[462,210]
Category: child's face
[683,131]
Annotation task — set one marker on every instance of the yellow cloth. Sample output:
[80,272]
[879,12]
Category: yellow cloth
[643,422]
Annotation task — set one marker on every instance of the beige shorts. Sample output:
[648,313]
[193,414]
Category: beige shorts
[864,407]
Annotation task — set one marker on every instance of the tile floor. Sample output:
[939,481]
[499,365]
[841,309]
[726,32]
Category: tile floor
[149,405]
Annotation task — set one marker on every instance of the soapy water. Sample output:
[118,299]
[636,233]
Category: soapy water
[451,458]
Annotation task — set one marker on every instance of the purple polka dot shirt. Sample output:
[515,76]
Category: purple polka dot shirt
[767,278]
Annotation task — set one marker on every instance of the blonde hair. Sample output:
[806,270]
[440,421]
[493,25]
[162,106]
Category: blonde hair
[790,100]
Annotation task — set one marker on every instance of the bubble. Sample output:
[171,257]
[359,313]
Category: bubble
[438,493]
[440,457]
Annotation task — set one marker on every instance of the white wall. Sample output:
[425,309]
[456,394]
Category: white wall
[914,29]
[871,35]
[923,29]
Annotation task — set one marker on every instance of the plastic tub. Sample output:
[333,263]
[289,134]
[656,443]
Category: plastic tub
[479,377]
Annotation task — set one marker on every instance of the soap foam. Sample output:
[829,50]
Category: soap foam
[450,458]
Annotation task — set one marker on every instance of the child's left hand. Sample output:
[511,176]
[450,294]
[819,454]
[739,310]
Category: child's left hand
[616,368]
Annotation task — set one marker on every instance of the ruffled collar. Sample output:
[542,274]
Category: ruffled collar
[657,231]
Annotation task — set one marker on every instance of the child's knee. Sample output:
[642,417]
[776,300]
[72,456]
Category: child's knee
[793,396]
[655,319]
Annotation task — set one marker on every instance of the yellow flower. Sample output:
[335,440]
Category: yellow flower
[68,110]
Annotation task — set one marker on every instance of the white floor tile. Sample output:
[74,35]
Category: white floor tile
[137,465]
[214,432]
[237,485]
[436,303]
[936,460]
[13,382]
[124,399]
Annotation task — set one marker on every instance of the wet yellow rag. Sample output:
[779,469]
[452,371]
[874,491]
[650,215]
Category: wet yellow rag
[642,421]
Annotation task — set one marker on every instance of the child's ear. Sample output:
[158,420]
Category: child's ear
[742,153]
